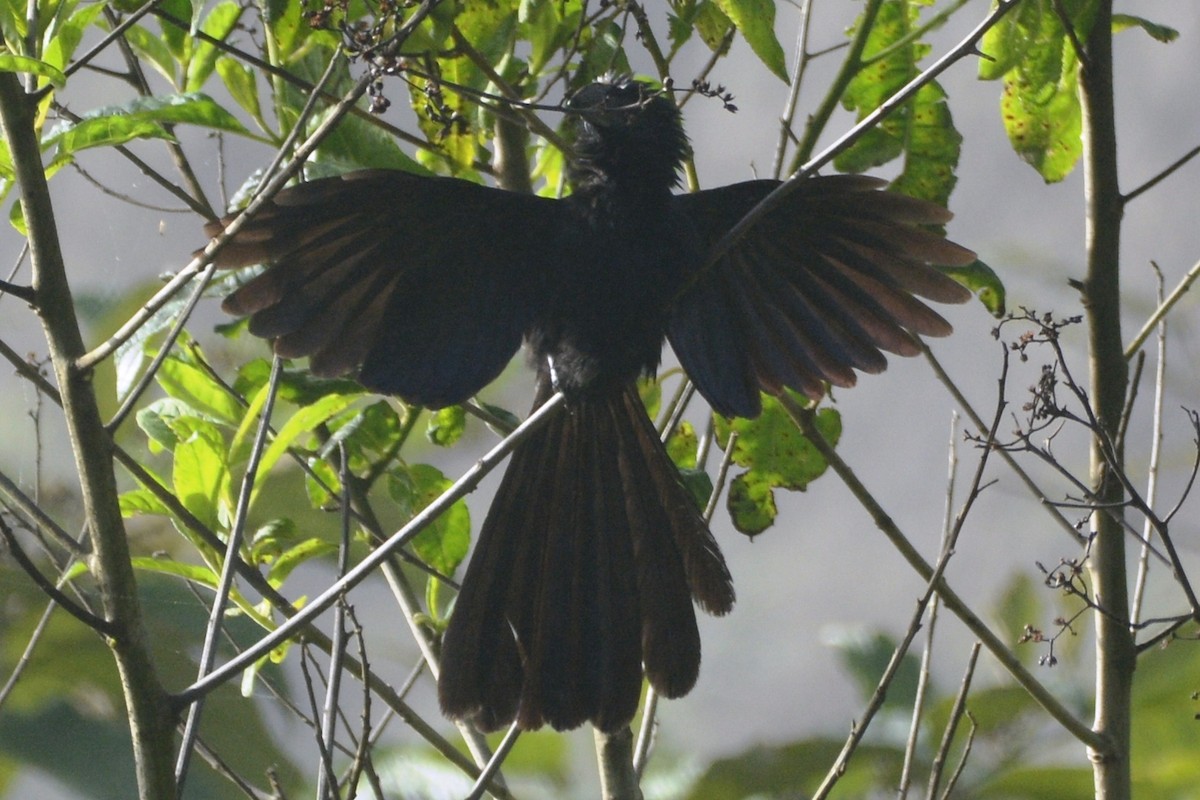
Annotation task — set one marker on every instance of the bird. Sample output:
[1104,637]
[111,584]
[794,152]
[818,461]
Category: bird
[592,557]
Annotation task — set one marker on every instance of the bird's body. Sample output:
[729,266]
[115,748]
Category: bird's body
[592,553]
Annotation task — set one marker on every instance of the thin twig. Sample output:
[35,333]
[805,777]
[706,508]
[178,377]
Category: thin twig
[324,746]
[944,377]
[923,676]
[164,350]
[44,522]
[948,793]
[126,331]
[506,744]
[326,781]
[1156,439]
[1163,307]
[967,47]
[956,714]
[950,598]
[233,545]
[465,484]
[786,134]
[645,739]
[27,654]
[1166,173]
[101,626]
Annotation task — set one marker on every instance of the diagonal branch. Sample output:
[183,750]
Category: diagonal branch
[967,47]
[950,598]
[464,485]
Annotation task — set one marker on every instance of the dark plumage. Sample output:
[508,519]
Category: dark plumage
[589,560]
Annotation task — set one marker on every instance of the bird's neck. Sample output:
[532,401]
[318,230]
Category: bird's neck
[635,167]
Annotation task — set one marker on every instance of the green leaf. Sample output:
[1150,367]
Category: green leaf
[548,27]
[11,62]
[357,144]
[299,554]
[242,84]
[301,424]
[490,25]
[650,391]
[65,37]
[751,504]
[931,147]
[200,476]
[984,282]
[446,425]
[1040,105]
[866,655]
[1162,33]
[922,130]
[286,24]
[219,23]
[698,483]
[756,21]
[375,431]
[108,131]
[510,420]
[195,573]
[271,539]
[136,502]
[141,118]
[711,24]
[153,50]
[776,455]
[193,108]
[681,446]
[167,420]
[322,483]
[176,38]
[443,544]
[198,389]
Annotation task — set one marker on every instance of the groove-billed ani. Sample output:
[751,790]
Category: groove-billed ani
[592,553]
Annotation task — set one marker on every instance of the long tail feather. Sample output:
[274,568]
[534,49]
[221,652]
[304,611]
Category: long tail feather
[585,573]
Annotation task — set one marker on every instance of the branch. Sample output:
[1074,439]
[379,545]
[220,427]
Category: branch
[956,714]
[950,598]
[464,485]
[254,578]
[150,720]
[45,523]
[614,752]
[233,545]
[968,46]
[1166,173]
[1160,312]
[77,611]
[264,196]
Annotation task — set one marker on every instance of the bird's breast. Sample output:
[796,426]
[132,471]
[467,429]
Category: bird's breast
[605,319]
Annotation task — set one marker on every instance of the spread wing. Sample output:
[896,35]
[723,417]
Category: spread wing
[814,291]
[422,287]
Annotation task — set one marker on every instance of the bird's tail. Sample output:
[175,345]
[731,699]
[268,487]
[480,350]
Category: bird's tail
[583,576]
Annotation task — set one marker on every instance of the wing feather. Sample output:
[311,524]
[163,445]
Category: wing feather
[819,287]
[421,286]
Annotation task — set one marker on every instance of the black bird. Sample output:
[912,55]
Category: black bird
[589,559]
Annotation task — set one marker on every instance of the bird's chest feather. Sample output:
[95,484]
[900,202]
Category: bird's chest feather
[621,265]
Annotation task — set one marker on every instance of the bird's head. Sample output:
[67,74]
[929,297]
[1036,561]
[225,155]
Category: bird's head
[627,130]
